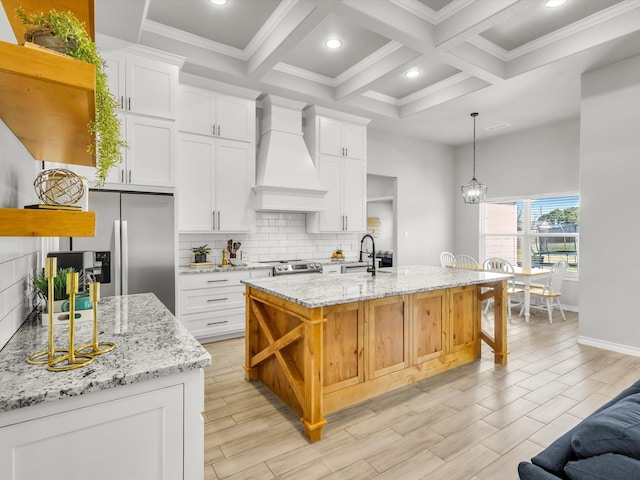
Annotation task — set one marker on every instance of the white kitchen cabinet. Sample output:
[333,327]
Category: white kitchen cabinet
[337,143]
[204,112]
[212,304]
[142,85]
[333,269]
[149,160]
[342,139]
[215,184]
[151,429]
[346,181]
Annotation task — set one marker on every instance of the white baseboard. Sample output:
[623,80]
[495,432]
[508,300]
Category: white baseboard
[614,347]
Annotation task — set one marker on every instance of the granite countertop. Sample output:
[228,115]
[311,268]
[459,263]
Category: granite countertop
[150,343]
[312,291]
[255,266]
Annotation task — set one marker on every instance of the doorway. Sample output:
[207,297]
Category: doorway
[382,215]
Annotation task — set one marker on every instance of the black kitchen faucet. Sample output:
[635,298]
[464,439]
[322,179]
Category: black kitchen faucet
[372,254]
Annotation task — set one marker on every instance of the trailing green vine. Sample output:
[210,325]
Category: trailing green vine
[106,126]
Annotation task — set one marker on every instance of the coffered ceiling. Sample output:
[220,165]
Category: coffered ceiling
[516,62]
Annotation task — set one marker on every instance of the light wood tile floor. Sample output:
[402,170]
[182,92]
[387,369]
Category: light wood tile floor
[473,423]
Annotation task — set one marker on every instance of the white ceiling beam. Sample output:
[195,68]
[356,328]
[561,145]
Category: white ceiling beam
[221,67]
[454,91]
[372,107]
[477,18]
[390,21]
[384,67]
[577,42]
[303,16]
[477,62]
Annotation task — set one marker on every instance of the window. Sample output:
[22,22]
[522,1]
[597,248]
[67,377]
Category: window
[532,232]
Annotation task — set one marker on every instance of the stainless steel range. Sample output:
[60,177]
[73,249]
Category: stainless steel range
[293,267]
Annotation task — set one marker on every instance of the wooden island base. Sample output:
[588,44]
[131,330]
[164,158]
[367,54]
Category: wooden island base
[320,360]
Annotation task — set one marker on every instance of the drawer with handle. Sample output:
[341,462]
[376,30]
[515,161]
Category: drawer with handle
[206,325]
[213,280]
[211,299]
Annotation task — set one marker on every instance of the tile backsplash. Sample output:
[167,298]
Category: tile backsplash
[278,235]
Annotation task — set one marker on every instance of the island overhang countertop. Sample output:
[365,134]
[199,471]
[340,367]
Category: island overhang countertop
[150,343]
[313,291]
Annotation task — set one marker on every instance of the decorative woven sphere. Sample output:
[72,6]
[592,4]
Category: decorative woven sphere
[59,186]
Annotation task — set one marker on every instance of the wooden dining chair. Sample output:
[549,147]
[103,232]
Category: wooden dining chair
[447,260]
[551,291]
[465,262]
[495,264]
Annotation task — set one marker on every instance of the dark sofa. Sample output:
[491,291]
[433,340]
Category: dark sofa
[604,446]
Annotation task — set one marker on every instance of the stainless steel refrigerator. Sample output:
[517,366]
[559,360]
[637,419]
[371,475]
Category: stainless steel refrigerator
[138,230]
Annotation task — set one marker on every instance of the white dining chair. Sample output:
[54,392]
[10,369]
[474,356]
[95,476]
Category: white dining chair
[447,260]
[465,262]
[551,291]
[495,264]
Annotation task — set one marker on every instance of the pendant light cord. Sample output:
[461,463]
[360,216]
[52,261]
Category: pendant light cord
[474,115]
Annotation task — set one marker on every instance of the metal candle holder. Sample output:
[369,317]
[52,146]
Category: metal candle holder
[95,348]
[49,355]
[72,359]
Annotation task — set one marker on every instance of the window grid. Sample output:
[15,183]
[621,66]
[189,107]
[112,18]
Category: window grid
[547,227]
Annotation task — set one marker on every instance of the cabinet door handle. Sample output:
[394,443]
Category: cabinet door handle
[122,176]
[129,108]
[218,281]
[129,175]
[346,222]
[213,130]
[217,323]
[346,151]
[218,130]
[217,299]
[121,102]
[218,219]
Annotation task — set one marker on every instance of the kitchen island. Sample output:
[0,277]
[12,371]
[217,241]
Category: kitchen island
[135,412]
[322,343]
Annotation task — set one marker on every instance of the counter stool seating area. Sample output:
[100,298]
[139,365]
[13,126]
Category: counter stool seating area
[604,446]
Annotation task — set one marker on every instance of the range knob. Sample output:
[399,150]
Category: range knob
[279,267]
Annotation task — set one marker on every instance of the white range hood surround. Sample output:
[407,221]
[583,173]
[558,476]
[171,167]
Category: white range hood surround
[286,178]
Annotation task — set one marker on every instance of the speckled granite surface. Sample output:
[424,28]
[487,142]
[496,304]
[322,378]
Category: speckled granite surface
[313,290]
[215,268]
[150,343]
[254,266]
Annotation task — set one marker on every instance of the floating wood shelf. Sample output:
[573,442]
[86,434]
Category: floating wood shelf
[16,222]
[48,99]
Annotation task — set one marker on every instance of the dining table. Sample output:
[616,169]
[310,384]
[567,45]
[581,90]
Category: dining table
[526,276]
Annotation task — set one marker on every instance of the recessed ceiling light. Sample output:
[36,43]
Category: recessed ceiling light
[414,72]
[219,2]
[554,3]
[333,43]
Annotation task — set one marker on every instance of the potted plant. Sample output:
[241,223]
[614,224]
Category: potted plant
[41,286]
[200,253]
[74,41]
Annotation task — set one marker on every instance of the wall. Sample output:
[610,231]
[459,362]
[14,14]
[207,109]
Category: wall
[424,206]
[278,235]
[610,168]
[383,211]
[532,162]
[18,255]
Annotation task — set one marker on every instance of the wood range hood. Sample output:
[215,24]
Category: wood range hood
[48,99]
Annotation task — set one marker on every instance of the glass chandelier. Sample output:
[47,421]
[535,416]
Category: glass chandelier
[474,191]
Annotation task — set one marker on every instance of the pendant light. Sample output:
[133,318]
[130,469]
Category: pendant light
[474,191]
